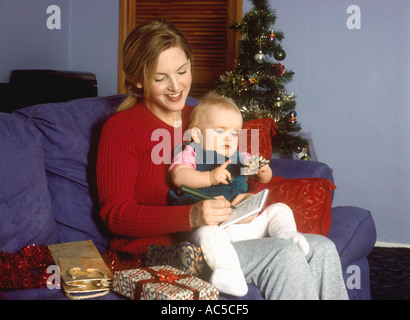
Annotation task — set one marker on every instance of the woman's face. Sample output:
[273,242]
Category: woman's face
[172,81]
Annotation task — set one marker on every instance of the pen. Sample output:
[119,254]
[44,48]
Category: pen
[197,193]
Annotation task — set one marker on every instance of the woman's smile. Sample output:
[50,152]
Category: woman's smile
[175,96]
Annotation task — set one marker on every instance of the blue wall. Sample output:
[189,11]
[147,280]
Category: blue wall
[94,41]
[352,90]
[25,41]
[87,40]
[352,86]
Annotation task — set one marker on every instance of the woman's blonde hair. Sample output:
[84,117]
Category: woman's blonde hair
[209,100]
[140,55]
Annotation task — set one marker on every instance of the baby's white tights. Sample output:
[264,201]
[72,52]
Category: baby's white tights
[276,221]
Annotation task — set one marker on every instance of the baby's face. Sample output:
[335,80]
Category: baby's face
[220,131]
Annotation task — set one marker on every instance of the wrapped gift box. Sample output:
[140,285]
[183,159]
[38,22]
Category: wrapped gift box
[162,283]
[184,256]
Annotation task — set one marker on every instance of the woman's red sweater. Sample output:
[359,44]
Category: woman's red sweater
[134,154]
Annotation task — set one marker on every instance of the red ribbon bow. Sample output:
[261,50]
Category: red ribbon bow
[164,275]
[167,275]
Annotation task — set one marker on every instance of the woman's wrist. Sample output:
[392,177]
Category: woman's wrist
[193,218]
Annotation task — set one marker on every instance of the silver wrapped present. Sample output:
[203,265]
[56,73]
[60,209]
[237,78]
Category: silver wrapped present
[162,283]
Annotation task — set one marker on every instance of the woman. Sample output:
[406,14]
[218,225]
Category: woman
[133,184]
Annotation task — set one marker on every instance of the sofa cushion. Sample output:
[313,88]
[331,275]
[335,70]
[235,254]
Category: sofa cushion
[25,208]
[310,200]
[267,128]
[296,169]
[70,133]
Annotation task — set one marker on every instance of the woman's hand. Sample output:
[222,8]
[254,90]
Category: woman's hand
[210,212]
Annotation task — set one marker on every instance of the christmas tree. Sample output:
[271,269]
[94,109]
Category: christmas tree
[257,82]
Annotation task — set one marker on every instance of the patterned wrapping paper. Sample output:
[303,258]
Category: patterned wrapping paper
[162,283]
[184,256]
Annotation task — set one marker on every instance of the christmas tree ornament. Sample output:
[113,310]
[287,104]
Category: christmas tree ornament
[278,103]
[272,36]
[306,157]
[279,54]
[292,118]
[304,153]
[259,57]
[280,69]
[288,96]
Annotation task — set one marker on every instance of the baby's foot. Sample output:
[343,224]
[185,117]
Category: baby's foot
[229,282]
[300,241]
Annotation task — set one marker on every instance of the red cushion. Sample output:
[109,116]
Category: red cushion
[310,200]
[267,129]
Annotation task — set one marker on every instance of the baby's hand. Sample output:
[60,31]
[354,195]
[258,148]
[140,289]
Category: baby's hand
[264,175]
[263,170]
[220,174]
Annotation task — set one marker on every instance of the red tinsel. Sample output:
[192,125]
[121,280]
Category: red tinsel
[117,261]
[25,269]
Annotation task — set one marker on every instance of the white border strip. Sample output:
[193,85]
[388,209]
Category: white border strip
[391,245]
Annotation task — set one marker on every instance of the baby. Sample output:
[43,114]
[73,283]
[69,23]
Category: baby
[211,163]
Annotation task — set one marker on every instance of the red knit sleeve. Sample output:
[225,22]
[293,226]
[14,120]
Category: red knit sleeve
[118,168]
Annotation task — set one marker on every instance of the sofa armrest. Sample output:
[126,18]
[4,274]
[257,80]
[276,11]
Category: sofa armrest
[353,231]
[295,169]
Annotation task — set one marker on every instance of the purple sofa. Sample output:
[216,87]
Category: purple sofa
[48,192]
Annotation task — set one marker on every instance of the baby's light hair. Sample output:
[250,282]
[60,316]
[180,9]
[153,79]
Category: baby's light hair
[210,100]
